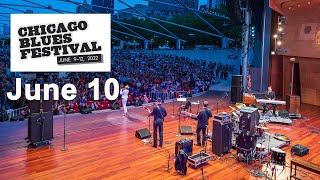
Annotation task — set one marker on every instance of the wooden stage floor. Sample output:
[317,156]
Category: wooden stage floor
[104,146]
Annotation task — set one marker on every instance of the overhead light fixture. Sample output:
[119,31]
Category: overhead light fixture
[273,52]
[280,29]
[290,7]
[298,5]
[309,2]
[279,43]
[275,36]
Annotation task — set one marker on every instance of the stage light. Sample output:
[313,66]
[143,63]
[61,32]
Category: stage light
[280,29]
[275,36]
[273,52]
[279,43]
[279,23]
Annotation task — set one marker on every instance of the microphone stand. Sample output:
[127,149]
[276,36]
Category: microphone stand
[173,108]
[64,130]
[226,94]
[168,163]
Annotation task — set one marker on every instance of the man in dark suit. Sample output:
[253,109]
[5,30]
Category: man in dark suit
[270,95]
[158,112]
[203,117]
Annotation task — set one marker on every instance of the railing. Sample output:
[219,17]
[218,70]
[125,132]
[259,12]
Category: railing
[166,95]
[11,113]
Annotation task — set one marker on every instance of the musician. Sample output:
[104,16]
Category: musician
[270,95]
[124,92]
[158,112]
[203,117]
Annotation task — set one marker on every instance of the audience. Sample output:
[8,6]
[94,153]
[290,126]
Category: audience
[144,72]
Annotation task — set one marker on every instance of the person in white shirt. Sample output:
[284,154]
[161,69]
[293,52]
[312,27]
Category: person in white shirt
[124,92]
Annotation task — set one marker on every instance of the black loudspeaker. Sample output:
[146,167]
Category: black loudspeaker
[249,119]
[221,137]
[143,133]
[237,81]
[86,110]
[115,106]
[184,144]
[35,105]
[40,129]
[40,121]
[299,150]
[184,130]
[236,94]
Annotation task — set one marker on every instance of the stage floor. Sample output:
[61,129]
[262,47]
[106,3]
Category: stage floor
[104,146]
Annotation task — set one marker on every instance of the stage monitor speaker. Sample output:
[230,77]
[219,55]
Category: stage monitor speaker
[299,150]
[143,133]
[115,106]
[237,81]
[40,129]
[35,105]
[184,130]
[184,144]
[249,120]
[221,137]
[236,94]
[293,104]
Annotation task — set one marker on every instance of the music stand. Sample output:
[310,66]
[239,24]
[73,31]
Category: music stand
[180,100]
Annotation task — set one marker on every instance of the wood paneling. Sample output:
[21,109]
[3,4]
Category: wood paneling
[103,146]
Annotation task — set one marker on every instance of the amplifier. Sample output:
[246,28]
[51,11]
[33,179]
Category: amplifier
[184,144]
[222,117]
[299,150]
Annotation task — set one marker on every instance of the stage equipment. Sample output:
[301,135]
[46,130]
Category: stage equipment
[184,144]
[143,133]
[218,102]
[186,130]
[249,99]
[40,121]
[86,110]
[284,114]
[236,88]
[293,104]
[278,156]
[199,159]
[64,129]
[180,163]
[221,136]
[299,150]
[267,101]
[249,119]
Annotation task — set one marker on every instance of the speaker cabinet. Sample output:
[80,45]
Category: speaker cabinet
[236,94]
[221,137]
[237,80]
[185,130]
[143,133]
[35,105]
[40,127]
[293,104]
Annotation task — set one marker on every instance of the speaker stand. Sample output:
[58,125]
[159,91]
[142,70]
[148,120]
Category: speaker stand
[64,132]
[179,129]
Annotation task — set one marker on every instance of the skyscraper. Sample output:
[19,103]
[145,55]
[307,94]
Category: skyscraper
[159,8]
[103,3]
[85,8]
[215,3]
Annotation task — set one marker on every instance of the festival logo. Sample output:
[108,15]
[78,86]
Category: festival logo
[60,42]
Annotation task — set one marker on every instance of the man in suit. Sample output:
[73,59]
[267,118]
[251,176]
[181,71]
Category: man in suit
[158,112]
[270,95]
[203,117]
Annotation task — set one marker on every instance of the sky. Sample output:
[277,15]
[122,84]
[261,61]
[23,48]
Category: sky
[56,4]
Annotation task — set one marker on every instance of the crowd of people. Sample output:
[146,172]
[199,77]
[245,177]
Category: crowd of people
[144,72]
